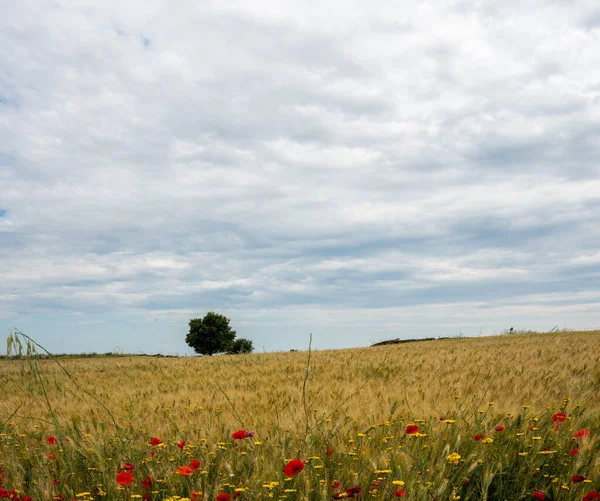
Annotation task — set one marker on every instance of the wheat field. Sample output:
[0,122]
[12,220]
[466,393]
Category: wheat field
[344,413]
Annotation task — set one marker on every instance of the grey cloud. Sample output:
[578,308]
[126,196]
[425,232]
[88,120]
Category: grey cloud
[592,20]
[375,168]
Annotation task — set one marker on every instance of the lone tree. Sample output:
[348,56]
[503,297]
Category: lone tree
[212,334]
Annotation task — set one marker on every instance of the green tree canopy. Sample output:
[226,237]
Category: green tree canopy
[242,345]
[212,334]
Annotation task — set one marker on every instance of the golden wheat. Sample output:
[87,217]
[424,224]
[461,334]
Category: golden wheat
[470,418]
[263,390]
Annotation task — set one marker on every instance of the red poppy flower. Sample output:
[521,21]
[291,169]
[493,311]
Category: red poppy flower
[375,483]
[55,481]
[194,465]
[574,452]
[147,483]
[127,467]
[399,493]
[236,494]
[581,433]
[294,467]
[353,492]
[223,497]
[239,435]
[196,496]
[336,485]
[590,496]
[52,440]
[412,429]
[152,453]
[147,496]
[181,444]
[499,428]
[186,471]
[124,478]
[155,441]
[478,437]
[558,418]
[329,452]
[577,478]
[539,495]
[26,498]
[51,456]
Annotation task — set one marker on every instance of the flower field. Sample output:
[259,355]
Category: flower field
[508,417]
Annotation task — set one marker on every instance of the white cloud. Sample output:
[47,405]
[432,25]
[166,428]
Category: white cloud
[393,159]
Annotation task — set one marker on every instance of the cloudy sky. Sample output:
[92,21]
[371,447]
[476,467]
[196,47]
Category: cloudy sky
[358,170]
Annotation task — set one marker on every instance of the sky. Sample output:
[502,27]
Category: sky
[360,171]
